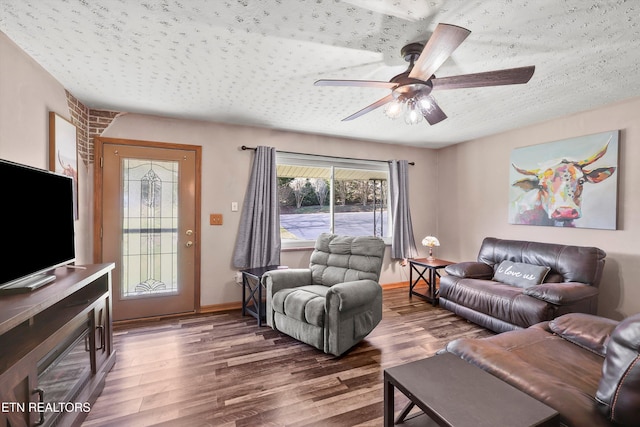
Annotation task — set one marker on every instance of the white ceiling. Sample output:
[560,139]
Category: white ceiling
[254,61]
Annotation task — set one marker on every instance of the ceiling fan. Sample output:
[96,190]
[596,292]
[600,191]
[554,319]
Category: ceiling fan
[411,90]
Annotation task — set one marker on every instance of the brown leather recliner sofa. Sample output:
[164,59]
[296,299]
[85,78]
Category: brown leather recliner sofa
[515,284]
[585,367]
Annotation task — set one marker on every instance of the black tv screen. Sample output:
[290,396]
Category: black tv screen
[38,219]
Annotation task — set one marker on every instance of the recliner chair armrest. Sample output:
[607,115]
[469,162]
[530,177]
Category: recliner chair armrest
[471,270]
[562,293]
[354,294]
[276,280]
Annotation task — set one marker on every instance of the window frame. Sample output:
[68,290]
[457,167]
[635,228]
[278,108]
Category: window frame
[314,160]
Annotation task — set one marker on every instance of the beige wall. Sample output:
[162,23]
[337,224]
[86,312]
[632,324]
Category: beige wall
[473,198]
[226,171]
[27,94]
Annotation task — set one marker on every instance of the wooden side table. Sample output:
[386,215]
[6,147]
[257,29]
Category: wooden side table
[431,267]
[452,392]
[252,301]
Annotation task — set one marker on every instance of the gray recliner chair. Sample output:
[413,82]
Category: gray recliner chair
[334,303]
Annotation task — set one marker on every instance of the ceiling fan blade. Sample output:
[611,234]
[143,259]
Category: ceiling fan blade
[444,40]
[434,114]
[363,83]
[511,76]
[365,110]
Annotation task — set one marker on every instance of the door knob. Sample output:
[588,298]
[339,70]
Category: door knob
[189,244]
[188,232]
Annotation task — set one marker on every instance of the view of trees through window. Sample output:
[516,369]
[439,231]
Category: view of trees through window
[314,200]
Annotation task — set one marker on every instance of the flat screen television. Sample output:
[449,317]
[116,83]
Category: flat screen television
[37,216]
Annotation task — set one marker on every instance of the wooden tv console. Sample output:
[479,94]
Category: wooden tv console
[56,347]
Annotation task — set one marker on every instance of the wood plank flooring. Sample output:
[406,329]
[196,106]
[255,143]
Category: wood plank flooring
[223,370]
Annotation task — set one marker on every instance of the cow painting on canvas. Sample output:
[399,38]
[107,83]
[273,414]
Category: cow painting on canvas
[569,183]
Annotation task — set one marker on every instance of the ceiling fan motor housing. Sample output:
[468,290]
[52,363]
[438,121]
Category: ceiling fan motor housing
[410,88]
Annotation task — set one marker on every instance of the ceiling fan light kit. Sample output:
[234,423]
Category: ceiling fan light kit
[413,100]
[411,90]
[414,109]
[413,116]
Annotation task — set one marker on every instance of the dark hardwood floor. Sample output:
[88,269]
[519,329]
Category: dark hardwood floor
[223,370]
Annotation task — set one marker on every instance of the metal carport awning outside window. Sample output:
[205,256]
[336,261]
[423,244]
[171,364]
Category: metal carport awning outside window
[341,174]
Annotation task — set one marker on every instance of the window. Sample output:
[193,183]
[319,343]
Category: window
[325,194]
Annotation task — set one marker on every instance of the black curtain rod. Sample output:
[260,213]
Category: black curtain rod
[244,147]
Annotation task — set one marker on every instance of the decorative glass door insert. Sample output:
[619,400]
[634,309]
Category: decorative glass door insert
[150,227]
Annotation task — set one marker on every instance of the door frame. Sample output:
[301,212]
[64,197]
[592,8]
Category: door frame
[99,142]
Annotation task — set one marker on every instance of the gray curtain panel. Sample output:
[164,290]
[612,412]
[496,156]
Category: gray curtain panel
[258,243]
[403,245]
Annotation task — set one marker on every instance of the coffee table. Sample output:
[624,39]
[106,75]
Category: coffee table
[452,392]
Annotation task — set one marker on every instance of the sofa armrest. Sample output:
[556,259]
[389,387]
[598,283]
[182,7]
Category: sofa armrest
[575,406]
[619,389]
[585,330]
[276,280]
[471,270]
[565,293]
[357,293]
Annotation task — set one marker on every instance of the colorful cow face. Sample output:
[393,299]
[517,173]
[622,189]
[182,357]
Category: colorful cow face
[557,190]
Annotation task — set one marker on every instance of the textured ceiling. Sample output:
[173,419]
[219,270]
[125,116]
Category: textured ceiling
[254,62]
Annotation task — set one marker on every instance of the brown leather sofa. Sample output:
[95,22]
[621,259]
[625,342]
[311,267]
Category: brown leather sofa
[569,277]
[585,367]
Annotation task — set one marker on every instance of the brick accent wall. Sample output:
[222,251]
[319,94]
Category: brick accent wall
[99,120]
[79,117]
[90,123]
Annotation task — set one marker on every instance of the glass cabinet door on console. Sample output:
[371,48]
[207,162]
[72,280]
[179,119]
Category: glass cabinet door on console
[61,375]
